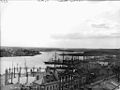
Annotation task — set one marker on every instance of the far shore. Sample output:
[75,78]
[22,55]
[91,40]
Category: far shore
[20,56]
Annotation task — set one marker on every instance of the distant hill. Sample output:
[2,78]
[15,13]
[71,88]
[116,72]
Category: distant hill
[14,51]
[31,51]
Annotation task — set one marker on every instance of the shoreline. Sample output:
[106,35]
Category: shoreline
[20,55]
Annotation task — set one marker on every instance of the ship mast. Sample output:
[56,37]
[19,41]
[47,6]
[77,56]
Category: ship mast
[26,72]
[55,60]
[12,73]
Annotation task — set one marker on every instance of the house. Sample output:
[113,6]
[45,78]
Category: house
[110,84]
[46,81]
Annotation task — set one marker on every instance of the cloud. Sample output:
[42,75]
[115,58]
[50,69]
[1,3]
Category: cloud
[73,36]
[93,29]
[103,25]
[97,0]
[108,19]
[116,35]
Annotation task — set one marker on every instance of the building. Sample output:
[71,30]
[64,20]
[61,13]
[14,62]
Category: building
[74,70]
[46,81]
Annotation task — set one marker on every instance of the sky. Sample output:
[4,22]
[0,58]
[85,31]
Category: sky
[85,24]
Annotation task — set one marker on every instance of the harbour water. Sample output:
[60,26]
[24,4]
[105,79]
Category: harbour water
[31,61]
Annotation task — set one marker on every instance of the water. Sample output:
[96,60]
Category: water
[31,61]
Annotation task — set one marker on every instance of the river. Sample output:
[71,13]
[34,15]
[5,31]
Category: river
[31,61]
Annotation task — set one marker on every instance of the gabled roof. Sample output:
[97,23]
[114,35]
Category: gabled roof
[46,78]
[39,82]
[110,85]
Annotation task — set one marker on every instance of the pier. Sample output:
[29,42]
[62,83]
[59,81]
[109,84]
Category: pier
[18,72]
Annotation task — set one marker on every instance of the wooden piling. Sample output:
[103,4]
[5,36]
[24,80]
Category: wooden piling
[11,77]
[18,77]
[20,71]
[17,67]
[14,71]
[33,71]
[9,72]
[6,77]
[26,75]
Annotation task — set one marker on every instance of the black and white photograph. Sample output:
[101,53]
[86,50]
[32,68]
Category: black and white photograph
[59,44]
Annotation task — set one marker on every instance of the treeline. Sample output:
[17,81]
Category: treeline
[9,52]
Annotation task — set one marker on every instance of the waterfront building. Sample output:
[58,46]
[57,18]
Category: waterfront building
[73,71]
[46,81]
